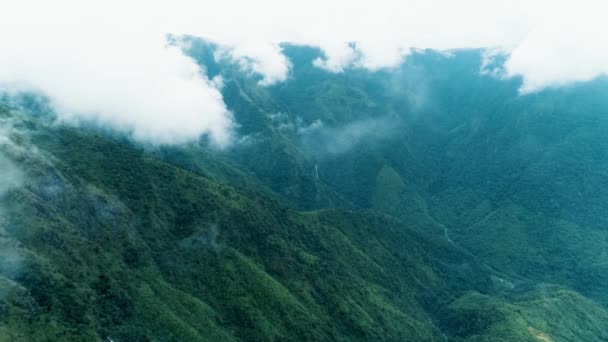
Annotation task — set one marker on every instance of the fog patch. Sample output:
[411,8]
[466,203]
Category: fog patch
[409,88]
[205,239]
[11,177]
[284,123]
[320,139]
[303,129]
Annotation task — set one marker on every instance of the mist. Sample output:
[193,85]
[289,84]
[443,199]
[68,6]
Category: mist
[10,257]
[320,139]
[109,63]
[11,176]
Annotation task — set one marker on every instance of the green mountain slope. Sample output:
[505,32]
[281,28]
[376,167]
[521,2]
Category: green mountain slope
[429,202]
[116,243]
[516,179]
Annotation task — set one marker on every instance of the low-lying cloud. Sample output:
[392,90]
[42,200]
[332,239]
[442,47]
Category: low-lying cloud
[100,64]
[320,139]
[109,62]
[567,46]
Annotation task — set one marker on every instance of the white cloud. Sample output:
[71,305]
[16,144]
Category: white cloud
[108,61]
[99,64]
[261,58]
[553,42]
[567,46]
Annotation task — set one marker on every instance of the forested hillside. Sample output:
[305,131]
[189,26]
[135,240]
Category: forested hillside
[427,202]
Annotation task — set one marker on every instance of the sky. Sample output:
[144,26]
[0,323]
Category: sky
[108,61]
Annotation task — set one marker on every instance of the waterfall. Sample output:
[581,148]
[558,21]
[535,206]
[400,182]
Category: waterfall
[445,234]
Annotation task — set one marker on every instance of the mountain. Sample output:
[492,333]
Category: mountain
[428,202]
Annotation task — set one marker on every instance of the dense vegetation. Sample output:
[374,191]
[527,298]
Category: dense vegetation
[429,202]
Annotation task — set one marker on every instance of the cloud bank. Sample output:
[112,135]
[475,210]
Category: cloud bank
[99,64]
[569,45]
[109,61]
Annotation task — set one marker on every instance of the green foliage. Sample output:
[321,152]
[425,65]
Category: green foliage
[123,245]
[422,203]
[535,316]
